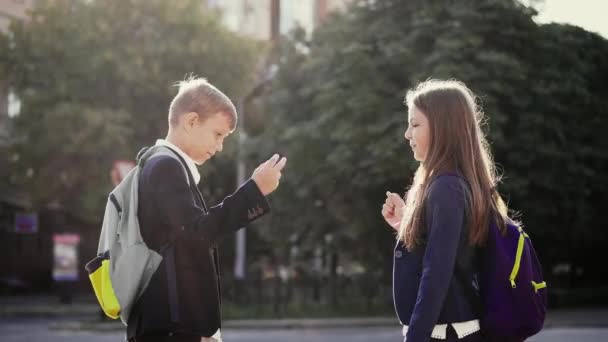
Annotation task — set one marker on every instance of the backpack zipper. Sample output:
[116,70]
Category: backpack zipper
[520,250]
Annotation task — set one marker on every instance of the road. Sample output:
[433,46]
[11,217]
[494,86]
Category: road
[31,330]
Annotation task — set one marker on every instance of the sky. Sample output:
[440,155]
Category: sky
[592,15]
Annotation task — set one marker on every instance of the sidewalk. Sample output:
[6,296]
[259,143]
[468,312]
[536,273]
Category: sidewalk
[83,314]
[47,306]
[249,324]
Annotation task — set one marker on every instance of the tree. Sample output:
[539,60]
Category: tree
[338,116]
[96,78]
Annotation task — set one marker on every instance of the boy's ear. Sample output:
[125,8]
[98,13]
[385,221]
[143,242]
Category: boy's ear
[190,119]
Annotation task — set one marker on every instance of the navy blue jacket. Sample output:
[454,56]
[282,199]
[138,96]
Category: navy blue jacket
[183,296]
[426,291]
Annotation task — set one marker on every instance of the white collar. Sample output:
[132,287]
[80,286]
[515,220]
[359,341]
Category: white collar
[189,161]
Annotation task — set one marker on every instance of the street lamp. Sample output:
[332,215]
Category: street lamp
[241,235]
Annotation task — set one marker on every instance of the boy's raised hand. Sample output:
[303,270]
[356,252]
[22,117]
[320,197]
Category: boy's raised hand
[268,174]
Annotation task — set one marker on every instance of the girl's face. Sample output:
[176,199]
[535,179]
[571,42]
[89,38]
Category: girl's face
[418,133]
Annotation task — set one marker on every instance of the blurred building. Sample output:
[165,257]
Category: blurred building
[265,19]
[13,9]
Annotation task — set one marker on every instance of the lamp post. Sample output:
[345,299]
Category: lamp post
[268,73]
[241,235]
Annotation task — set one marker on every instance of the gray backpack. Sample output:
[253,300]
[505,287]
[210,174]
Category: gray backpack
[124,264]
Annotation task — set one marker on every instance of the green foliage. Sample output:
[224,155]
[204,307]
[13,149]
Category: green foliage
[95,82]
[96,78]
[337,114]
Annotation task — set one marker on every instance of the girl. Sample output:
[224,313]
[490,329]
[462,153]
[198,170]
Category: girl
[445,215]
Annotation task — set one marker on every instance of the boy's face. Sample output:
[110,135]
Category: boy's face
[208,137]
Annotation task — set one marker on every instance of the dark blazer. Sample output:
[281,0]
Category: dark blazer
[183,296]
[426,290]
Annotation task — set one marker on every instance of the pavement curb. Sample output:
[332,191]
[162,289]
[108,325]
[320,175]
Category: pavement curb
[309,323]
[306,323]
[59,310]
[82,315]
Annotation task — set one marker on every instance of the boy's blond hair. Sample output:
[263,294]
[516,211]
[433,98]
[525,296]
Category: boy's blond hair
[197,95]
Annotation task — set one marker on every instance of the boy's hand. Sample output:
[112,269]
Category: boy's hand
[268,174]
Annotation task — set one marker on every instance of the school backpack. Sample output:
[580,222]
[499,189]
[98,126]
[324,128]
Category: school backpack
[512,297]
[124,264]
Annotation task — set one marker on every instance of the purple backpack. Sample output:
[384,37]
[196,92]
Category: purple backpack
[512,299]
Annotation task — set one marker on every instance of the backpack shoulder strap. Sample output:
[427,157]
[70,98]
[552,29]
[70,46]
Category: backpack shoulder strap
[147,153]
[155,151]
[182,161]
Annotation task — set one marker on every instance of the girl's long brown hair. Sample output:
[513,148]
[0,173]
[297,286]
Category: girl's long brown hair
[457,144]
